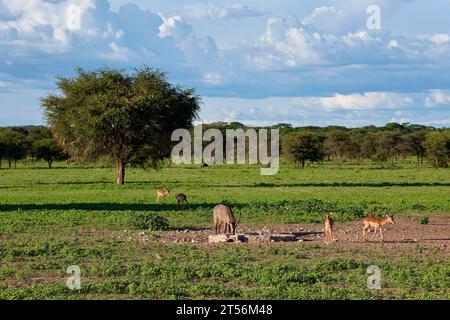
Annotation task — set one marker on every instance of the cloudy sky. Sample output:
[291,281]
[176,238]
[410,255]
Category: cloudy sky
[308,62]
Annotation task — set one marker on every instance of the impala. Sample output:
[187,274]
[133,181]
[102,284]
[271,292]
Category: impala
[162,193]
[377,224]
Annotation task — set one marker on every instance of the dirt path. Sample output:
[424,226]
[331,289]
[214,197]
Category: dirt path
[406,233]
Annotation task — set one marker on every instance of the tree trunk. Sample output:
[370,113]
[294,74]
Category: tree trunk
[49,164]
[120,171]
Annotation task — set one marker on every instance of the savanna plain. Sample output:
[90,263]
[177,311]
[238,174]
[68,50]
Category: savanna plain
[128,246]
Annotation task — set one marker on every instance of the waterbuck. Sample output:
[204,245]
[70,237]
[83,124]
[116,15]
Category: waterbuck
[162,193]
[377,224]
[181,200]
[224,216]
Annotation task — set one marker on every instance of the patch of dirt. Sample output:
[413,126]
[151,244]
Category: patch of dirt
[404,234]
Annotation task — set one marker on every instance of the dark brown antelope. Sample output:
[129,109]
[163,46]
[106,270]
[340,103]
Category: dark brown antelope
[182,200]
[162,193]
[329,223]
[224,216]
[377,224]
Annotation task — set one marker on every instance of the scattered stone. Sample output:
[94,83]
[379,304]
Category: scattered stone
[217,238]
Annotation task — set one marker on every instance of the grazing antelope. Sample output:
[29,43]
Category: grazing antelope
[162,193]
[182,200]
[223,215]
[329,223]
[377,224]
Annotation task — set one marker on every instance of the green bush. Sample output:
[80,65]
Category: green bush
[424,220]
[148,220]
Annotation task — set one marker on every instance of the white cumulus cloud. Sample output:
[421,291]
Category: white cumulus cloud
[199,11]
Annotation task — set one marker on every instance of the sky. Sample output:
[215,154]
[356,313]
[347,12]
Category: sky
[304,62]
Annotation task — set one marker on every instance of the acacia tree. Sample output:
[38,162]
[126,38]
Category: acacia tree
[339,144]
[129,116]
[300,147]
[438,149]
[11,145]
[48,150]
[416,144]
[389,146]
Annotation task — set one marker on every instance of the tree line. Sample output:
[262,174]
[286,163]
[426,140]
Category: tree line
[130,116]
[380,144]
[301,145]
[29,142]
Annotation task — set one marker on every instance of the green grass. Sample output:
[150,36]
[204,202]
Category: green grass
[50,219]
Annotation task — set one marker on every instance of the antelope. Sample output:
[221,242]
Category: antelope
[181,200]
[329,223]
[162,193]
[223,215]
[377,224]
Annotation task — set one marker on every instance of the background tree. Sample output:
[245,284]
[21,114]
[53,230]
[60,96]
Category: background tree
[338,144]
[437,146]
[48,150]
[13,146]
[119,114]
[415,142]
[302,147]
[389,146]
[2,150]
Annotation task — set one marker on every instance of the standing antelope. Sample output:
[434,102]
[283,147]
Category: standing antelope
[162,193]
[377,224]
[223,215]
[329,223]
[181,200]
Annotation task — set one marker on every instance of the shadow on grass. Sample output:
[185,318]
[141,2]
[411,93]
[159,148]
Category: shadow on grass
[150,185]
[110,207]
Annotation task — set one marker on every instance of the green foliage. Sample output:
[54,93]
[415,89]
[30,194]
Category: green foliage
[12,147]
[424,220]
[48,150]
[437,146]
[302,147]
[128,116]
[148,220]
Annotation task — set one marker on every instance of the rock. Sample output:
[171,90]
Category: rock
[217,238]
[220,238]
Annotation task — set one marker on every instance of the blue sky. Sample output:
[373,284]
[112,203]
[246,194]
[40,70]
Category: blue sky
[255,61]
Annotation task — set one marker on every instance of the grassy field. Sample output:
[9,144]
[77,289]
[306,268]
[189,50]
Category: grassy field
[50,219]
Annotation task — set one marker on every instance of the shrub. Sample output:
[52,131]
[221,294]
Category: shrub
[148,220]
[424,220]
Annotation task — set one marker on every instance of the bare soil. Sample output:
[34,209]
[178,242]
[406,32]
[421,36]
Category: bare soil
[406,233]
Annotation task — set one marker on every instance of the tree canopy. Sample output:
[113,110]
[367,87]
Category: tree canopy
[129,116]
